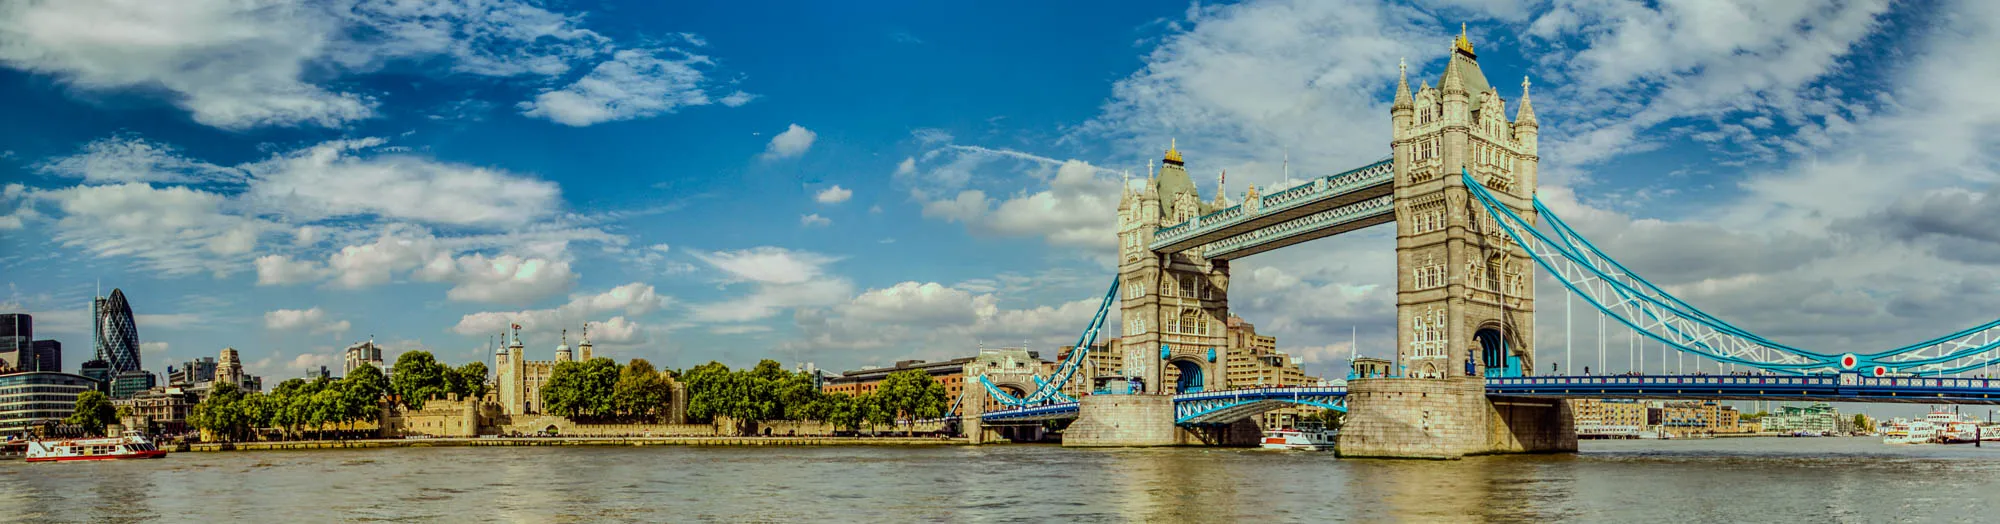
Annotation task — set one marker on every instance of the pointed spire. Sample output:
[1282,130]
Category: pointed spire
[1173,151]
[1403,85]
[1526,116]
[1451,82]
[1463,44]
[1221,193]
[586,333]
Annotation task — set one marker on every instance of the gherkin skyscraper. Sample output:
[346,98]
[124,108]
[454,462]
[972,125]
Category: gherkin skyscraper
[117,335]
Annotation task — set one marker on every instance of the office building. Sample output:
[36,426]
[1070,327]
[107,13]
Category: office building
[17,335]
[115,333]
[129,383]
[100,372]
[362,354]
[33,398]
[48,355]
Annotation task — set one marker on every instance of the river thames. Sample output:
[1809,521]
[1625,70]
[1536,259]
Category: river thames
[1721,480]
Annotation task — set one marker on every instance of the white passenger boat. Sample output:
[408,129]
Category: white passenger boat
[1311,439]
[130,446]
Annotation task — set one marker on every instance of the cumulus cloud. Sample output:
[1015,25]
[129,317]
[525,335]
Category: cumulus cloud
[791,143]
[833,195]
[814,220]
[171,230]
[935,321]
[1079,207]
[312,320]
[336,179]
[281,270]
[237,65]
[132,159]
[781,279]
[633,84]
[607,312]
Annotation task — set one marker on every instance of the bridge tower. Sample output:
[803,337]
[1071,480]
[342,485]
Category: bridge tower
[1465,295]
[1464,291]
[1173,304]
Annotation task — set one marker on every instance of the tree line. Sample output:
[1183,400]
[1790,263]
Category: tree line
[600,390]
[768,392]
[297,406]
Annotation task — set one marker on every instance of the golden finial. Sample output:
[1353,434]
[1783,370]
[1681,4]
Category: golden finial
[1463,44]
[1173,151]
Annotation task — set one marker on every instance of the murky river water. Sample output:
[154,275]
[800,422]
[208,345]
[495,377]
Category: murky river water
[1723,480]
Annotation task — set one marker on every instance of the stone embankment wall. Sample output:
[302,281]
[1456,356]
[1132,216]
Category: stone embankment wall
[533,424]
[1123,421]
[570,441]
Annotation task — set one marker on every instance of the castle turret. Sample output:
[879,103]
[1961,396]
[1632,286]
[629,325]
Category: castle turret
[1402,113]
[583,350]
[562,350]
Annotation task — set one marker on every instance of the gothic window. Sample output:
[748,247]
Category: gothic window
[1493,274]
[1187,287]
[1208,292]
[1427,333]
[1173,325]
[1135,326]
[1427,276]
[1190,322]
[1166,286]
[1135,289]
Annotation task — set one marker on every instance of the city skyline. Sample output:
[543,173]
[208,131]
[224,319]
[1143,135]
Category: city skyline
[905,192]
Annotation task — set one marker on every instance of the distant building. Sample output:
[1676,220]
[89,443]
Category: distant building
[129,383]
[323,373]
[1697,418]
[1104,362]
[32,398]
[17,335]
[48,355]
[166,408]
[950,373]
[1255,362]
[1369,367]
[194,371]
[115,333]
[1597,418]
[100,372]
[518,381]
[1819,416]
[362,354]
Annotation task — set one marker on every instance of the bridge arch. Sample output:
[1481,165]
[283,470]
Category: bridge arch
[1192,375]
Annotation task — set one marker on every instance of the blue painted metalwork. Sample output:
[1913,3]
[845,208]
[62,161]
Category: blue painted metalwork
[1190,379]
[1051,391]
[1842,387]
[1376,175]
[1579,265]
[1211,355]
[1224,407]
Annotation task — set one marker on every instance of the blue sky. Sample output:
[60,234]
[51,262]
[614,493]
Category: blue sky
[860,183]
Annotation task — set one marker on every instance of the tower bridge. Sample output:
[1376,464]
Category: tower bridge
[1459,186]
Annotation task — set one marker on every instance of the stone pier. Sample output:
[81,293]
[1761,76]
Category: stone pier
[1448,419]
[1123,420]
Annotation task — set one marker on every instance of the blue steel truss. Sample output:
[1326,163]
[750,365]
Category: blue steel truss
[1224,407]
[1844,387]
[1650,311]
[1047,391]
[1378,174]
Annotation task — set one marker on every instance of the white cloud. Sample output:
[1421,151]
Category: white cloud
[313,320]
[172,230]
[500,279]
[633,84]
[238,65]
[331,180]
[783,279]
[1079,207]
[281,270]
[935,321]
[814,220]
[833,195]
[794,141]
[630,300]
[768,265]
[738,99]
[131,159]
[155,348]
[313,361]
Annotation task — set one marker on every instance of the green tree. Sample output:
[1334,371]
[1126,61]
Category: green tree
[641,392]
[1332,419]
[472,380]
[912,394]
[93,412]
[362,393]
[1861,423]
[222,413]
[418,377]
[582,390]
[706,390]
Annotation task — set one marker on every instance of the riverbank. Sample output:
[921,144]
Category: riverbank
[573,441]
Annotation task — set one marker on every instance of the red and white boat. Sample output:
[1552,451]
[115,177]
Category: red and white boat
[1310,438]
[130,446]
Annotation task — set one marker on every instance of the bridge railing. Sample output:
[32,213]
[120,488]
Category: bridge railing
[1335,184]
[1314,221]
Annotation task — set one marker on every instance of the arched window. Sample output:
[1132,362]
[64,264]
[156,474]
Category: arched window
[1187,286]
[1188,321]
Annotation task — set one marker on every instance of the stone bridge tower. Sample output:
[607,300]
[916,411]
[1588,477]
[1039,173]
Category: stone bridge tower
[1173,304]
[1464,291]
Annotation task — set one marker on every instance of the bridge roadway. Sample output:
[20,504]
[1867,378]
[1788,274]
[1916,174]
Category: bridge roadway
[1322,207]
[1223,407]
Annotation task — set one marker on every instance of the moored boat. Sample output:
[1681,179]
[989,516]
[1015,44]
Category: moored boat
[1310,439]
[131,445]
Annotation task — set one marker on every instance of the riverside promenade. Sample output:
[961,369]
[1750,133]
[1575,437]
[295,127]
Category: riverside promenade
[575,441]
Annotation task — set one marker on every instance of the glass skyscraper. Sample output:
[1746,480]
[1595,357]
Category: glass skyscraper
[117,335]
[17,335]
